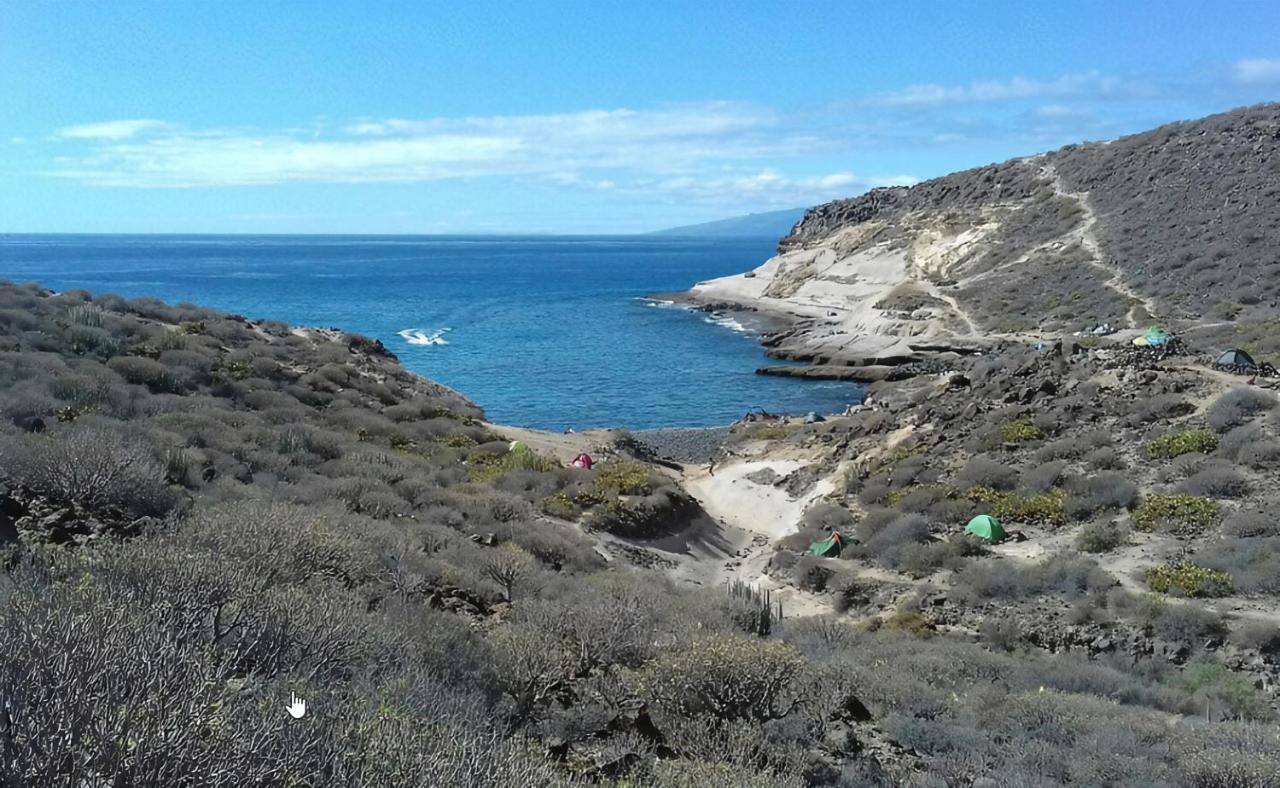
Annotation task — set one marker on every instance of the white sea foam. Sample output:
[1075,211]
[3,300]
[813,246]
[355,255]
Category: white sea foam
[730,323]
[419,336]
[659,303]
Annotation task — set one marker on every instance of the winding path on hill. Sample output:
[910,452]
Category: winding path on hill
[1088,240]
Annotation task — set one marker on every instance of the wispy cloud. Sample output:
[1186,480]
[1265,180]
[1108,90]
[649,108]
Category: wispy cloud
[221,158]
[152,154]
[1092,85]
[710,152]
[694,151]
[770,188]
[1257,71]
[111,129]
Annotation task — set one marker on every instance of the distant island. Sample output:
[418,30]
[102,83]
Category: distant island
[772,224]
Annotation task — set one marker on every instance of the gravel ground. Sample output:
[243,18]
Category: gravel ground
[694,444]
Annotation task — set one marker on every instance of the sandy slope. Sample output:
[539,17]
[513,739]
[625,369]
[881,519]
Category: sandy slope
[744,518]
[761,514]
[731,498]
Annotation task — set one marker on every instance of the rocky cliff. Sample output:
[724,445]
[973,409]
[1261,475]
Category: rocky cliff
[1179,224]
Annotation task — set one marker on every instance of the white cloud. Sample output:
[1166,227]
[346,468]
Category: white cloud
[1085,85]
[230,159]
[111,129]
[1257,71]
[1058,112]
[771,188]
[595,147]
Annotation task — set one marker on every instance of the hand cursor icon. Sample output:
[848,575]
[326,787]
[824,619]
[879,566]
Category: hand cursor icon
[297,707]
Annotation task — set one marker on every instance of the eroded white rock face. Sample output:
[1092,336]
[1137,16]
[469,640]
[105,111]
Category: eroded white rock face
[1003,252]
[866,289]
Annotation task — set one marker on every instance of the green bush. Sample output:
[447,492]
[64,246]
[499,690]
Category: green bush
[90,341]
[457,440]
[146,372]
[1176,444]
[1182,512]
[1211,688]
[939,490]
[1047,508]
[1184,578]
[401,443]
[483,466]
[562,506]
[728,677]
[85,315]
[623,478]
[1020,431]
[236,370]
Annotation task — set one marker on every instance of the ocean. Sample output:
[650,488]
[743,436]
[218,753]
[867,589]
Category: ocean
[546,332]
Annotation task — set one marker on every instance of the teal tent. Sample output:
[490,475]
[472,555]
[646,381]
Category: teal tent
[984,526]
[1155,336]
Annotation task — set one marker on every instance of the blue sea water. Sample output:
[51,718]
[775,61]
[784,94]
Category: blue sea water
[549,332]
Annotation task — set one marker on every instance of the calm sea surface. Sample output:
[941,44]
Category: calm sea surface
[548,332]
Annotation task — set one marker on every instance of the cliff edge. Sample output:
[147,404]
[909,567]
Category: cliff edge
[1178,224]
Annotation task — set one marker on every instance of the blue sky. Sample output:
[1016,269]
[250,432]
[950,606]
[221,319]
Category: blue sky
[589,117]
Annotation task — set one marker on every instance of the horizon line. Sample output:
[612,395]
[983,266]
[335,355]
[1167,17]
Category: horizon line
[530,234]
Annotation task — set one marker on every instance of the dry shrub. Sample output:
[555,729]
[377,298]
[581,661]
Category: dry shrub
[1238,406]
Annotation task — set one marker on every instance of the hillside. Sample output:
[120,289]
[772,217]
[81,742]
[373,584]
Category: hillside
[203,515]
[1178,224]
[772,224]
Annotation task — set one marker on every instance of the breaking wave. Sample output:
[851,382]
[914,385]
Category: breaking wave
[730,323]
[661,303]
[418,336]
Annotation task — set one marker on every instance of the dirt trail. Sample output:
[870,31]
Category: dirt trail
[1088,240]
[970,326]
[1082,234]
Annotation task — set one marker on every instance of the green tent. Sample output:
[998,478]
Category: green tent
[829,547]
[986,527]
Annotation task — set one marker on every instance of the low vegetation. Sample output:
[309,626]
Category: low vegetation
[1180,513]
[1185,578]
[1020,431]
[1176,444]
[1100,537]
[1238,406]
[1045,508]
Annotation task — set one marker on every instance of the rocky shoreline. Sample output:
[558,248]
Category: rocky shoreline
[684,445]
[871,359]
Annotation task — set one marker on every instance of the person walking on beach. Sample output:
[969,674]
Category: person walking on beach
[717,457]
